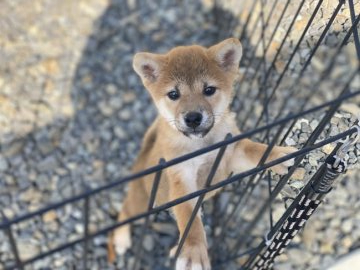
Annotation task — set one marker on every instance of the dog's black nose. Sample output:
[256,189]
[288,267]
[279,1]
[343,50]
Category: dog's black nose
[193,119]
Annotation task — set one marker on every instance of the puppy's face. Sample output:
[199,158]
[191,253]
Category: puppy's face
[191,86]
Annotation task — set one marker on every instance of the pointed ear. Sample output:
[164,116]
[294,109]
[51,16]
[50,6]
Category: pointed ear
[147,66]
[227,53]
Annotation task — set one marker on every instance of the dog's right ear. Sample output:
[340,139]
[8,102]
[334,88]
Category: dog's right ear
[148,66]
[227,53]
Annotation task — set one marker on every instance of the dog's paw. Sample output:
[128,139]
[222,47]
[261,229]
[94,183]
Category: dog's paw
[122,239]
[279,152]
[193,257]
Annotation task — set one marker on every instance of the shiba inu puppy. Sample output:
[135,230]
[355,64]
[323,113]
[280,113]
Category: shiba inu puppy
[192,87]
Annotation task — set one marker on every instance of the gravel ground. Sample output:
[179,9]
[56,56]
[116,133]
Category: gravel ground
[72,114]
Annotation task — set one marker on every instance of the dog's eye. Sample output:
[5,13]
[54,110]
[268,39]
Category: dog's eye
[209,90]
[174,94]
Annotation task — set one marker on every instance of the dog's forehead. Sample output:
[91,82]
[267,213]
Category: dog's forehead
[188,64]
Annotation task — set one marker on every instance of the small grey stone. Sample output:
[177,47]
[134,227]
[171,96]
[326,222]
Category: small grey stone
[352,154]
[47,164]
[98,241]
[120,132]
[298,256]
[59,262]
[66,191]
[23,183]
[347,226]
[165,228]
[120,263]
[105,109]
[30,195]
[305,127]
[9,213]
[284,266]
[131,262]
[288,192]
[297,184]
[106,135]
[313,124]
[334,130]
[42,182]
[10,180]
[79,228]
[45,146]
[313,161]
[335,120]
[289,141]
[343,125]
[148,242]
[125,114]
[111,89]
[13,149]
[129,97]
[52,227]
[27,249]
[116,103]
[4,165]
[76,213]
[303,137]
[111,168]
[328,260]
[16,161]
[357,145]
[352,160]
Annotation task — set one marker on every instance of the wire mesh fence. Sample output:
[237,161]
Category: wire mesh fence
[283,90]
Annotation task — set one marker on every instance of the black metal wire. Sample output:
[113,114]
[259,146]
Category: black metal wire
[253,51]
[248,19]
[86,231]
[201,198]
[14,249]
[270,40]
[355,30]
[285,178]
[257,68]
[193,195]
[324,74]
[297,46]
[310,145]
[295,85]
[298,153]
[174,161]
[266,98]
[289,211]
[272,66]
[249,185]
[6,223]
[271,219]
[154,190]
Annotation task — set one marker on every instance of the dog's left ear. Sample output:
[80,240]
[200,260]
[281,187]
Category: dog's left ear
[227,53]
[148,66]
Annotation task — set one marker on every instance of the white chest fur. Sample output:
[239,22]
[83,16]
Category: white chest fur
[188,171]
[194,172]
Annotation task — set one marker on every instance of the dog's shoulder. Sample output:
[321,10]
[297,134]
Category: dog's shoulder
[150,136]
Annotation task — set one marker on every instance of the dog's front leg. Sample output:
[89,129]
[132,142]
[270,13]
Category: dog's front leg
[248,154]
[194,255]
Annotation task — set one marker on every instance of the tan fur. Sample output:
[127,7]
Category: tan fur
[188,68]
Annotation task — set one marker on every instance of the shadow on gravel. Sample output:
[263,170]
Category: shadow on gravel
[112,112]
[111,103]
